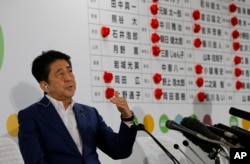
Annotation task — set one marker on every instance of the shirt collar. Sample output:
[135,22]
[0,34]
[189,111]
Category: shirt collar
[59,104]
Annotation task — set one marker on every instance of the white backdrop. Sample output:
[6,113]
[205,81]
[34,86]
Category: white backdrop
[30,27]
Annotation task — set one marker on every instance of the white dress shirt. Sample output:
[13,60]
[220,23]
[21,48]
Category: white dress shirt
[69,120]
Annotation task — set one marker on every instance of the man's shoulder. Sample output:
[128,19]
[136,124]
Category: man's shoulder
[35,105]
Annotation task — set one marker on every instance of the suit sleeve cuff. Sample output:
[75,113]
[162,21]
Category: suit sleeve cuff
[129,123]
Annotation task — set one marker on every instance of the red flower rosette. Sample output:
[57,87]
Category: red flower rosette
[196,28]
[154,9]
[201,96]
[236,46]
[197,42]
[156,50]
[198,69]
[199,82]
[232,7]
[155,37]
[107,77]
[237,72]
[234,21]
[109,93]
[238,85]
[154,23]
[235,34]
[105,31]
[237,60]
[157,78]
[158,93]
[196,14]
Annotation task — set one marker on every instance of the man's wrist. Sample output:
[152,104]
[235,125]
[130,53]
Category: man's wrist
[127,119]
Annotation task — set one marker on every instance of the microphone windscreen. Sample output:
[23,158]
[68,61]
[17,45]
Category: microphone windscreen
[199,127]
[204,145]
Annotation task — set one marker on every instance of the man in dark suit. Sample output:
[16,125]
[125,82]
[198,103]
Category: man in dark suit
[57,130]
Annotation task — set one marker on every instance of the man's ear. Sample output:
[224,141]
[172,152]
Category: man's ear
[44,86]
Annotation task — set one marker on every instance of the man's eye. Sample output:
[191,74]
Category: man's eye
[60,74]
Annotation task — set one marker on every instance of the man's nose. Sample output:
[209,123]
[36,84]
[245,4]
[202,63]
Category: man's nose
[68,76]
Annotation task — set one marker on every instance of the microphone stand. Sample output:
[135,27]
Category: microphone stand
[175,161]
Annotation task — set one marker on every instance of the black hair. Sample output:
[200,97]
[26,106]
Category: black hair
[41,64]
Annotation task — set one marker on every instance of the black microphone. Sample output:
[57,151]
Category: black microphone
[141,127]
[207,145]
[176,146]
[221,132]
[185,143]
[243,137]
[229,136]
[239,113]
[240,129]
[197,126]
[173,125]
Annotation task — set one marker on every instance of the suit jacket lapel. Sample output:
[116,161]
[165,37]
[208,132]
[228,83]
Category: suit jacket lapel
[50,114]
[81,119]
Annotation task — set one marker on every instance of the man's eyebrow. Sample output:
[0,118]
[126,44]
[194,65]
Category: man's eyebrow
[61,69]
[58,70]
[69,66]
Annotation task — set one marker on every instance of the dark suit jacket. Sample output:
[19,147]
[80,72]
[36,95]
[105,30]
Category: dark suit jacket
[43,137]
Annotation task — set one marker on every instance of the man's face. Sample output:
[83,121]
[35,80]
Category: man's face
[61,81]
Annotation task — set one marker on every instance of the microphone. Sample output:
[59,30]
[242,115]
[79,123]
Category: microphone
[176,146]
[141,127]
[207,145]
[243,137]
[222,132]
[229,136]
[240,129]
[196,125]
[239,113]
[185,143]
[173,125]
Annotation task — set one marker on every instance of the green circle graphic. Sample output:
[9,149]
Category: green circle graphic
[162,123]
[233,121]
[1,47]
